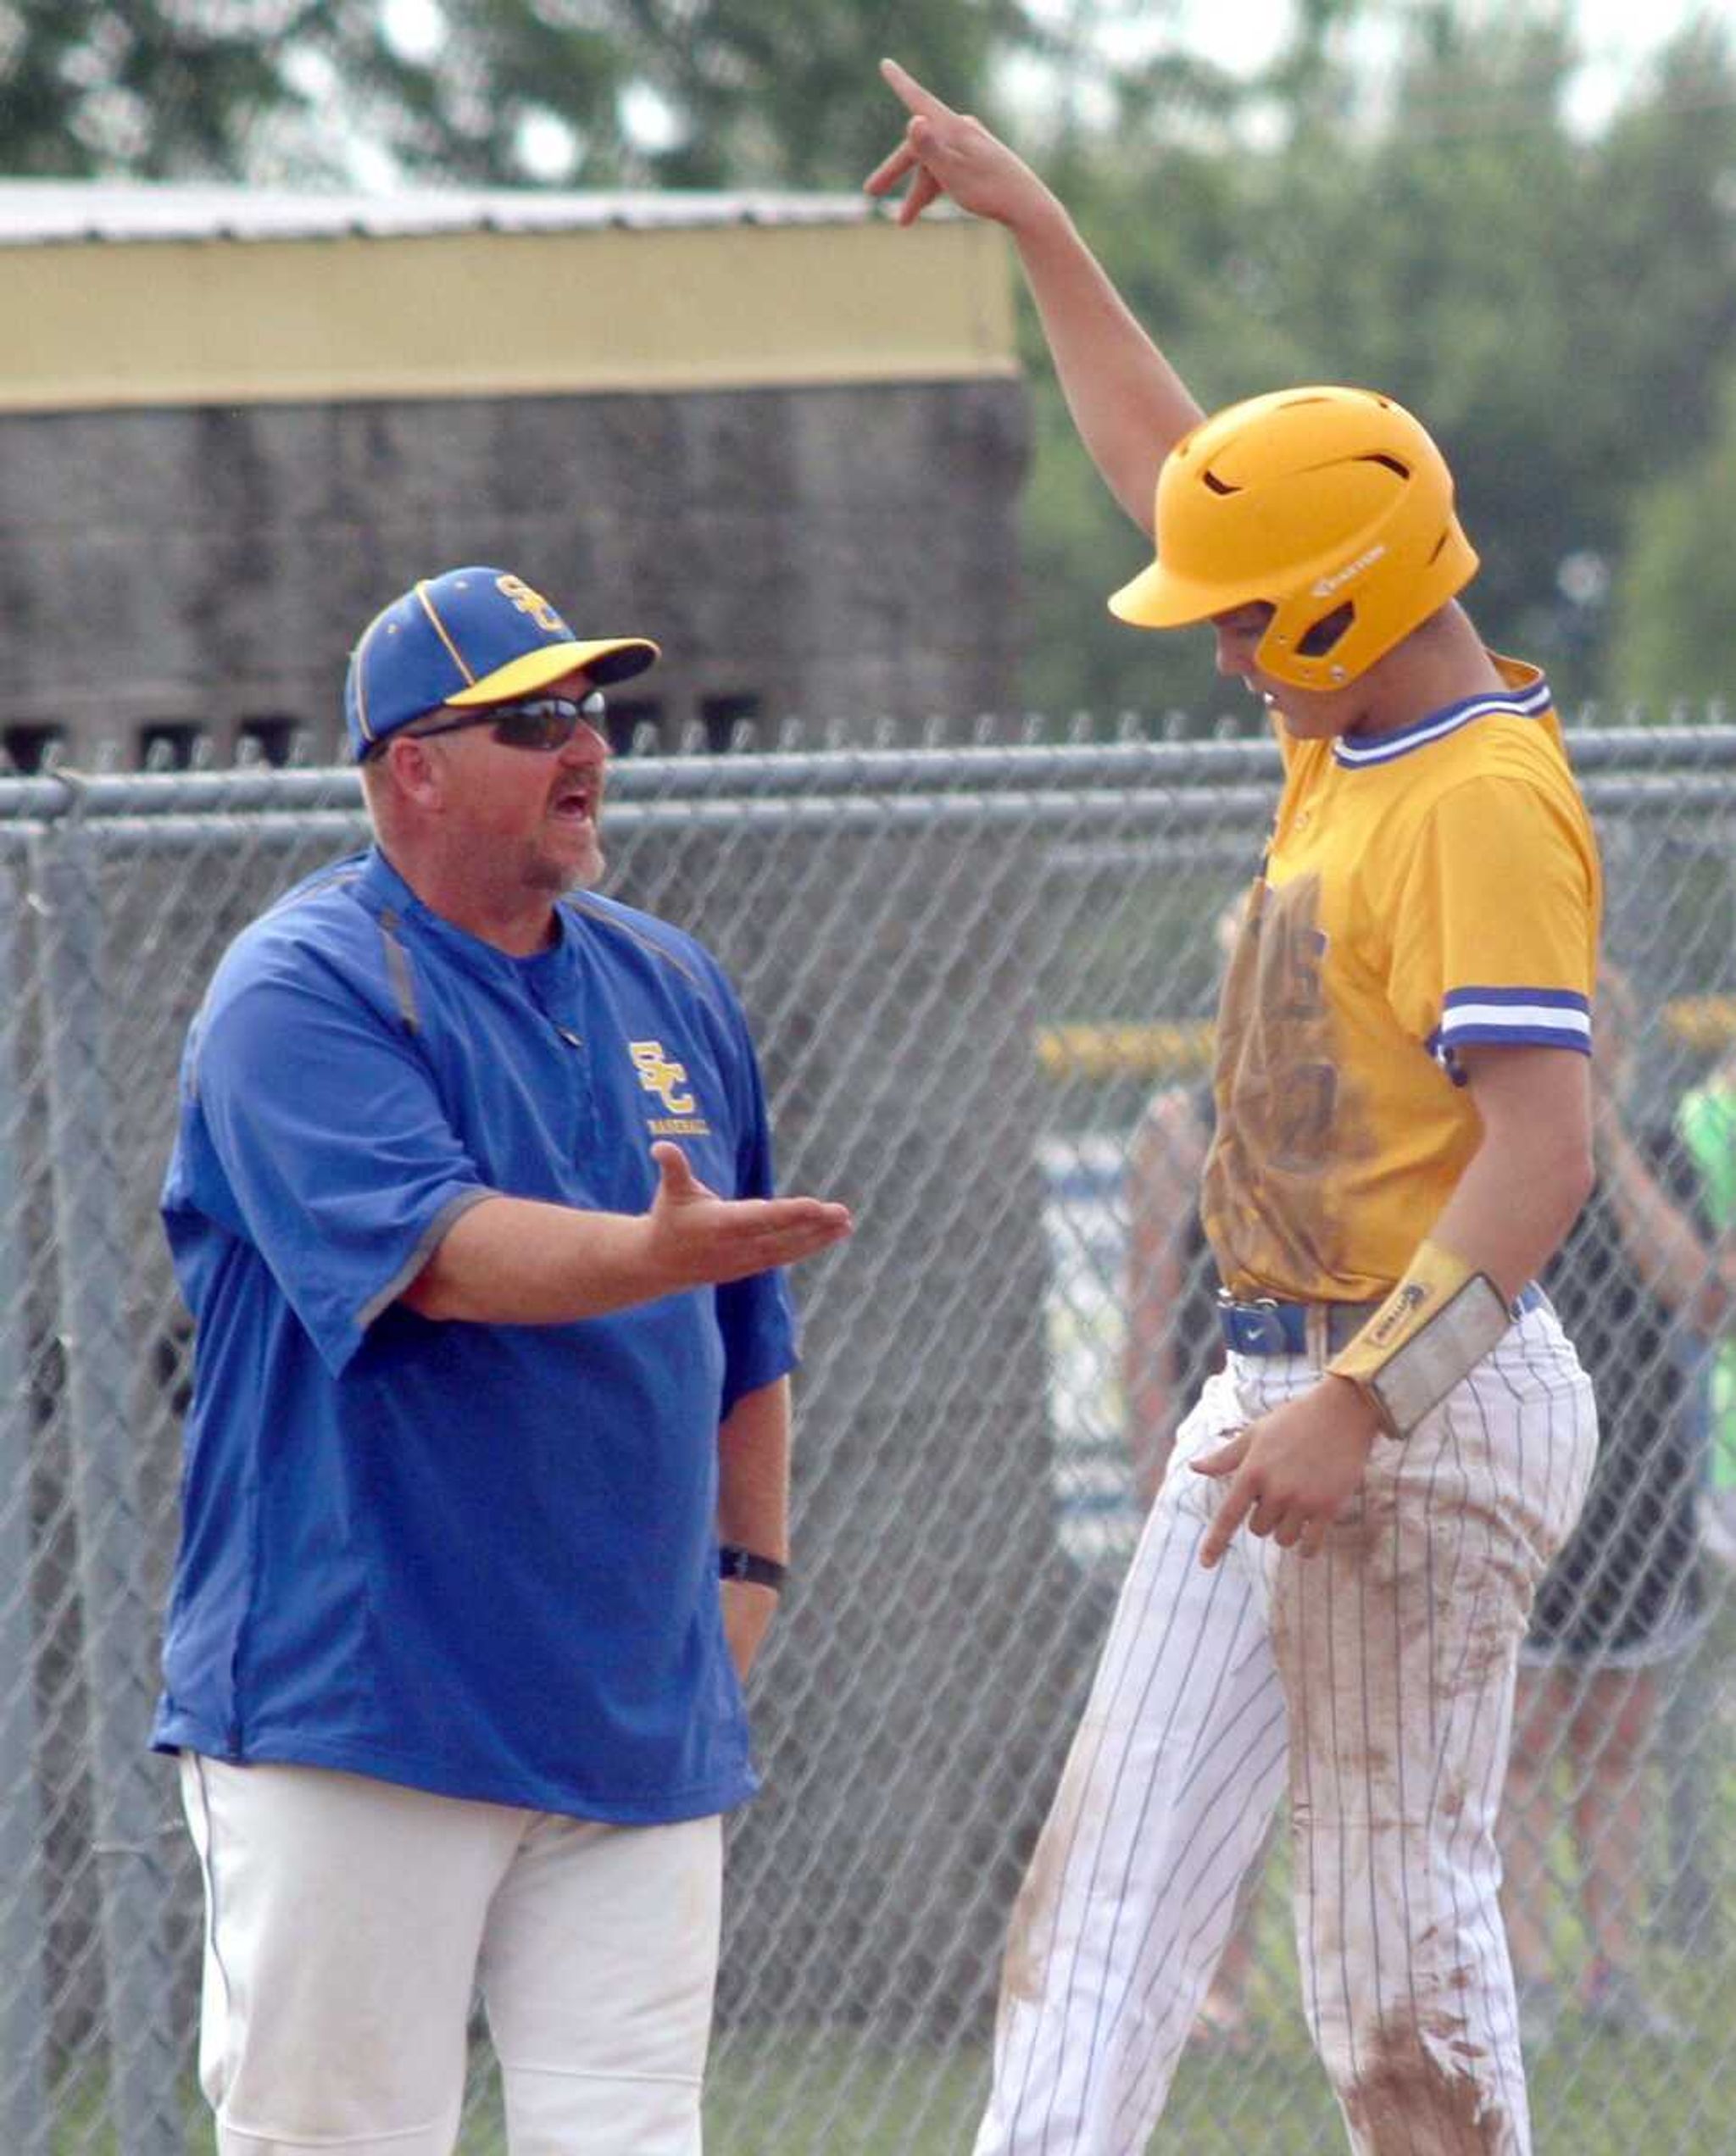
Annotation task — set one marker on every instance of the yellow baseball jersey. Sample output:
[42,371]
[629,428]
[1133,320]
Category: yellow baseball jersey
[1424,890]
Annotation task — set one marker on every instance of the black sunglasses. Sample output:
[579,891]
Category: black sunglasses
[539,722]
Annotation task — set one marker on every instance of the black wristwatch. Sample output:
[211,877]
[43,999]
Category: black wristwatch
[734,1563]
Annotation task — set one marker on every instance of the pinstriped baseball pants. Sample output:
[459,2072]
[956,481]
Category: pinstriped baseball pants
[1378,1678]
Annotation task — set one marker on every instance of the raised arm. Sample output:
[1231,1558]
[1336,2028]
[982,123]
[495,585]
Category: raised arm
[519,1261]
[1129,404]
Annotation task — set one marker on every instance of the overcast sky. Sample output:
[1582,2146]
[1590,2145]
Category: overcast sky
[1618,36]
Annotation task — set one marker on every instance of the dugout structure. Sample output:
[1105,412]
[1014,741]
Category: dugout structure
[772,431]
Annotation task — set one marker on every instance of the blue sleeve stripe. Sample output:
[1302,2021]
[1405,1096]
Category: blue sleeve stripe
[1560,999]
[1513,1035]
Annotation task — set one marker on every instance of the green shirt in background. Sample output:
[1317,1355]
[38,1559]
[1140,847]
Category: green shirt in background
[1707,1120]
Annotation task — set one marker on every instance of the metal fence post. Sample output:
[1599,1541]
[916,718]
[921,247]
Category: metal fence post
[23,2033]
[127,1791]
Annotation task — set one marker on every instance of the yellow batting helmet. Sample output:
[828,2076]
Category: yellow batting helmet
[1333,505]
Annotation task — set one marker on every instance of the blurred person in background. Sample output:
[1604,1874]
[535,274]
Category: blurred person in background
[1625,1598]
[1695,1732]
[1170,1283]
[1705,1121]
[1169,1290]
[1172,1345]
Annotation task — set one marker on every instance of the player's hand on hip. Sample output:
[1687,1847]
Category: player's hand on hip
[1292,1472]
[948,153]
[698,1239]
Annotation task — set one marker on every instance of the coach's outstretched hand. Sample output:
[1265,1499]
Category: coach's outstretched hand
[523,1261]
[698,1239]
[948,153]
[1292,1472]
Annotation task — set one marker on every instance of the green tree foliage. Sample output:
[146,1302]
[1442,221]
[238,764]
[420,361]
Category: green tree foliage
[157,91]
[1555,307]
[749,92]
[1173,227]
[785,91]
[1674,634]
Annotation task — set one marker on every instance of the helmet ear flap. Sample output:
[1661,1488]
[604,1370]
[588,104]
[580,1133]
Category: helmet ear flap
[1299,641]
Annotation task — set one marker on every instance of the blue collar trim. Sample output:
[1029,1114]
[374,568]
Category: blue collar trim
[1382,748]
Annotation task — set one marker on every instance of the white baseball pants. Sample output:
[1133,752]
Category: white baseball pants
[1378,1676]
[348,1922]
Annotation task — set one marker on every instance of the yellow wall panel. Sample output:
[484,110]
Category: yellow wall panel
[125,322]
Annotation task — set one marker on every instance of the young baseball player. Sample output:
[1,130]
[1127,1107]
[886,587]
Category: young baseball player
[1335,1579]
[484,1503]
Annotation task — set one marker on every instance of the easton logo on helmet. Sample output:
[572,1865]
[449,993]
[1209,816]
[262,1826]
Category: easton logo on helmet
[1326,585]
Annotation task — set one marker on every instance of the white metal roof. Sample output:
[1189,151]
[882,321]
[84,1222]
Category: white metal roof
[54,212]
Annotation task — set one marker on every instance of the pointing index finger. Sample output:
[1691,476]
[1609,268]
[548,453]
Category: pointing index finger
[904,85]
[1236,1507]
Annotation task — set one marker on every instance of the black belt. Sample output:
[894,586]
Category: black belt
[1269,1327]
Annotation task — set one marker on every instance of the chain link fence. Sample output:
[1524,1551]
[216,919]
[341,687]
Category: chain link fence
[971,971]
